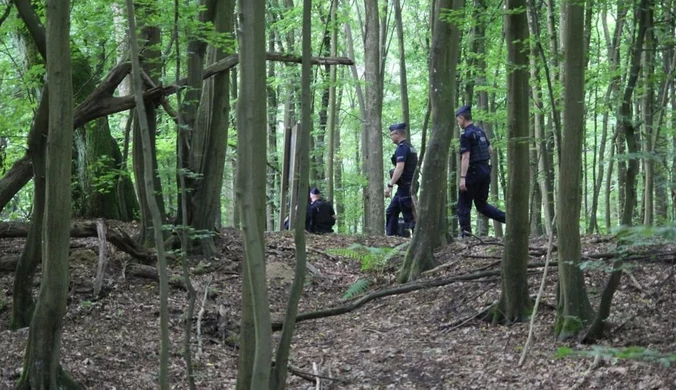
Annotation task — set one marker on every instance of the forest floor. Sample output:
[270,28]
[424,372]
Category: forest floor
[426,339]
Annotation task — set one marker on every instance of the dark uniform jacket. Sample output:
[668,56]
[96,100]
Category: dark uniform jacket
[407,154]
[321,217]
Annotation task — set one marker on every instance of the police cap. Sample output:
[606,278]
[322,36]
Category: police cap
[398,127]
[315,191]
[464,109]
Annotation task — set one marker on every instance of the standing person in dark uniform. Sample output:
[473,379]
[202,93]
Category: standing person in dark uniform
[475,172]
[322,217]
[404,159]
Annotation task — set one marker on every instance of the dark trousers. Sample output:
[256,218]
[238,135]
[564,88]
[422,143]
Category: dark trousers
[477,182]
[401,203]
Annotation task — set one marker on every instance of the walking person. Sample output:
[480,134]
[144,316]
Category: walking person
[475,172]
[404,159]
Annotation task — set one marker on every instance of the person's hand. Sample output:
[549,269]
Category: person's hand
[462,185]
[388,192]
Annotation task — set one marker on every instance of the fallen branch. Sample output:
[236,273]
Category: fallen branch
[149,272]
[409,287]
[459,323]
[117,237]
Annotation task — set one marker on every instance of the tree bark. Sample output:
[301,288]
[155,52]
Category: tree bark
[278,380]
[333,136]
[574,309]
[255,336]
[155,212]
[514,301]
[31,256]
[419,257]
[206,198]
[374,222]
[41,364]
[403,83]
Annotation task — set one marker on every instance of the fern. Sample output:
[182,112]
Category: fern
[357,288]
[371,258]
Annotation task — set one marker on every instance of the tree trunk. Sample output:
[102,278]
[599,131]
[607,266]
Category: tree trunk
[610,96]
[255,335]
[151,63]
[278,380]
[41,364]
[625,116]
[403,83]
[573,306]
[31,256]
[443,61]
[541,134]
[647,103]
[273,162]
[149,179]
[514,301]
[333,118]
[375,211]
[207,196]
[644,16]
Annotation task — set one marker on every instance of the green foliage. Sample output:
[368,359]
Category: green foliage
[627,353]
[371,258]
[103,177]
[357,288]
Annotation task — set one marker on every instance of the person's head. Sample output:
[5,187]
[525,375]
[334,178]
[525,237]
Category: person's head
[315,194]
[464,116]
[398,132]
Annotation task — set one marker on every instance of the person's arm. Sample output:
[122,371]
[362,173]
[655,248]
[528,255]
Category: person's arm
[465,146]
[398,170]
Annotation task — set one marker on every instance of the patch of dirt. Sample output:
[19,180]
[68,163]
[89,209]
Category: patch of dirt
[415,340]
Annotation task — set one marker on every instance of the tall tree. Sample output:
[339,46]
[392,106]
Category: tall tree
[206,199]
[644,17]
[373,74]
[332,135]
[443,62]
[278,381]
[42,369]
[152,65]
[403,83]
[514,300]
[573,307]
[625,122]
[153,206]
[255,337]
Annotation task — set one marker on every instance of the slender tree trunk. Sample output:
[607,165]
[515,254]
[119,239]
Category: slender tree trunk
[573,305]
[647,109]
[273,161]
[444,58]
[42,369]
[255,334]
[31,256]
[278,380]
[375,212]
[150,35]
[625,115]
[403,83]
[333,119]
[155,212]
[514,300]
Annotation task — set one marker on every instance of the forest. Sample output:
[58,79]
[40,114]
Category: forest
[155,157]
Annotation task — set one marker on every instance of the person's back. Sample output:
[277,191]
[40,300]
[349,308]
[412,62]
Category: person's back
[323,217]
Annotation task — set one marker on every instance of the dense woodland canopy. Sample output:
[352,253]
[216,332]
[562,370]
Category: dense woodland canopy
[190,117]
